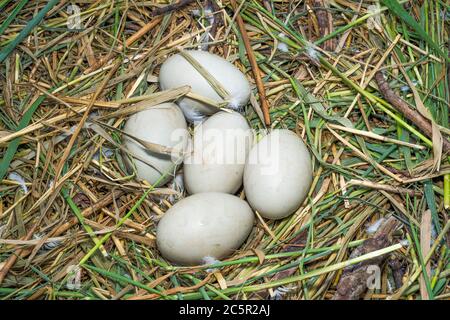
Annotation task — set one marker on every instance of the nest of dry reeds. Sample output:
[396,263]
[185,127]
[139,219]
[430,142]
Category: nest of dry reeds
[365,84]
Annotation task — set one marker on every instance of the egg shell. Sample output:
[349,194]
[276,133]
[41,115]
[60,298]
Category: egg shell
[220,148]
[176,71]
[163,124]
[204,227]
[278,174]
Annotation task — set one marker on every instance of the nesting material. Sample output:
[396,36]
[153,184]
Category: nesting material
[278,174]
[165,125]
[204,226]
[79,195]
[282,46]
[176,71]
[220,148]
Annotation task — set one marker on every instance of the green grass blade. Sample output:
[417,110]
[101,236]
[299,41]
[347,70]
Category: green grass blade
[431,201]
[399,11]
[6,51]
[14,144]
[12,16]
[123,279]
[4,3]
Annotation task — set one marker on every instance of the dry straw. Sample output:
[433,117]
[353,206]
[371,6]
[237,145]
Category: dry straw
[84,209]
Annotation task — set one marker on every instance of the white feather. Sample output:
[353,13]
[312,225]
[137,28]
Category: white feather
[234,104]
[278,294]
[19,179]
[47,245]
[208,260]
[71,130]
[281,291]
[177,184]
[375,226]
[404,243]
[107,153]
[312,53]
[282,46]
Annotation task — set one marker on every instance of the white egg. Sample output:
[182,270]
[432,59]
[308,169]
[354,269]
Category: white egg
[165,125]
[203,227]
[278,174]
[176,71]
[217,159]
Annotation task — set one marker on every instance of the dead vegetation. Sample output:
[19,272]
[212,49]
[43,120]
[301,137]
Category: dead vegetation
[75,224]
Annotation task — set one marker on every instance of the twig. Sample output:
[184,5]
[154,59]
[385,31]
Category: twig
[324,20]
[354,280]
[385,187]
[420,121]
[136,36]
[171,7]
[254,64]
[86,213]
[13,257]
[149,26]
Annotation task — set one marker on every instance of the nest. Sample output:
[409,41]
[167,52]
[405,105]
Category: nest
[76,224]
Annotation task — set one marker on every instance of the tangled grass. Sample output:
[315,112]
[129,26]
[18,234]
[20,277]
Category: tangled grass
[75,224]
